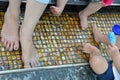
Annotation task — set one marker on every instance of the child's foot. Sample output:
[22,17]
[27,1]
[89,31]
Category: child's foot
[97,34]
[9,33]
[88,48]
[83,20]
[56,10]
[30,55]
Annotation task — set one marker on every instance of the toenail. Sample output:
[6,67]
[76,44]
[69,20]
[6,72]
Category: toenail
[16,48]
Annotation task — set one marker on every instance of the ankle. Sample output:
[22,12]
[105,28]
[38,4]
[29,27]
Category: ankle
[13,13]
[94,50]
[82,14]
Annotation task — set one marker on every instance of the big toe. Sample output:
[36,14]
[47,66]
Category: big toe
[52,7]
[5,43]
[16,45]
[27,65]
[55,11]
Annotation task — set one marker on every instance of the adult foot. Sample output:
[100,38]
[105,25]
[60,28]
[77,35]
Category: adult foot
[83,20]
[97,34]
[30,55]
[88,48]
[56,10]
[9,33]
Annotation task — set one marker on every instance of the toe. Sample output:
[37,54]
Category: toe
[3,40]
[16,45]
[7,45]
[27,65]
[32,63]
[11,46]
[37,63]
[83,28]
[52,7]
[55,11]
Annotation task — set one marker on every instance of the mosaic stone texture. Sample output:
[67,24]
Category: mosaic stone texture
[59,39]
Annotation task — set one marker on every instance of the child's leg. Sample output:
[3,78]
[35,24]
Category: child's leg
[57,10]
[90,9]
[9,33]
[99,37]
[33,12]
[97,62]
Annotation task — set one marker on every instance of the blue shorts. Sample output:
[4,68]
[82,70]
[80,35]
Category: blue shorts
[43,1]
[108,74]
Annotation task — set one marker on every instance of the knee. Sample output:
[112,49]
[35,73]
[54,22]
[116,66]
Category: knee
[98,64]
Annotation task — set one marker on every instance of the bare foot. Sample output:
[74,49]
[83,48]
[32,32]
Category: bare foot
[83,20]
[88,48]
[56,10]
[97,34]
[30,55]
[9,33]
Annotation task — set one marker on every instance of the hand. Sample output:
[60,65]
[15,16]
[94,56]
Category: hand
[113,50]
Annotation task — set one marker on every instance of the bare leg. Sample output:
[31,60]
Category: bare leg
[97,62]
[90,9]
[9,33]
[57,10]
[99,37]
[33,12]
